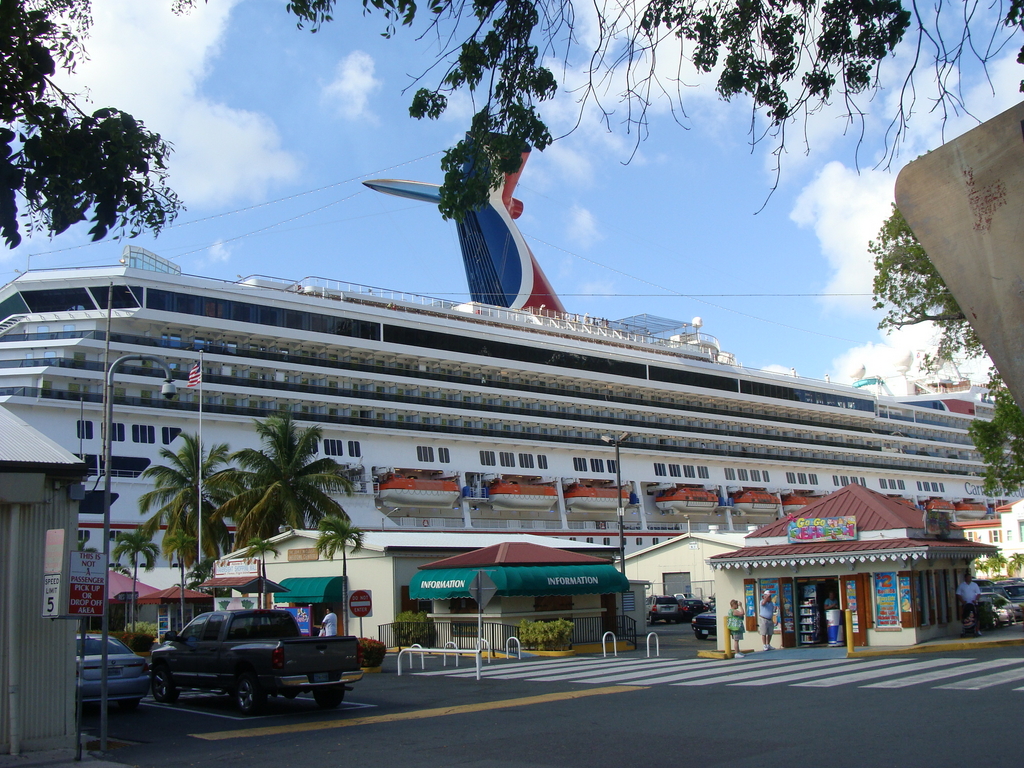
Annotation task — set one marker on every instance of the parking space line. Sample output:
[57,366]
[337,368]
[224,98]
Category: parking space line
[195,710]
[421,714]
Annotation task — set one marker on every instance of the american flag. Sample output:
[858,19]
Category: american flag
[195,376]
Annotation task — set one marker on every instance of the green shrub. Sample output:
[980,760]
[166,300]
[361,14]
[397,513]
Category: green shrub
[545,635]
[986,616]
[146,628]
[412,627]
[139,642]
[373,651]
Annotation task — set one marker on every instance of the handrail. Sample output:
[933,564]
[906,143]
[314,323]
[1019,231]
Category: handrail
[615,644]
[657,644]
[424,651]
[519,647]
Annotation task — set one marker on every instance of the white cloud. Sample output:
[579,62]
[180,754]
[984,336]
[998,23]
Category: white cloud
[846,210]
[349,91]
[582,228]
[150,62]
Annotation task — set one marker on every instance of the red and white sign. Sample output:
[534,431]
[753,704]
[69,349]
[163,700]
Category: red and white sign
[85,594]
[360,603]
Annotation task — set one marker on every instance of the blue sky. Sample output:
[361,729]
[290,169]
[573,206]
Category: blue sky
[274,128]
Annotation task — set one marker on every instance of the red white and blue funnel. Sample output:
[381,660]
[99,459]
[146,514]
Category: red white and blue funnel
[500,267]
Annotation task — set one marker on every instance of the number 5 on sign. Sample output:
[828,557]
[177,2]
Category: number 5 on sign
[51,596]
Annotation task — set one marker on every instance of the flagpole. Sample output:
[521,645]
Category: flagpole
[199,500]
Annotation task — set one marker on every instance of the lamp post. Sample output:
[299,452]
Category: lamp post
[168,390]
[617,441]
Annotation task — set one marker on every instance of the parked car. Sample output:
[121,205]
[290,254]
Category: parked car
[1012,581]
[664,608]
[705,625]
[251,654]
[127,672]
[691,608]
[1004,610]
[1015,592]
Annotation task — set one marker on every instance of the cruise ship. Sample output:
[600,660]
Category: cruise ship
[500,414]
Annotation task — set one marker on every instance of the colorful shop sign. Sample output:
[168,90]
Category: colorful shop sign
[887,615]
[805,530]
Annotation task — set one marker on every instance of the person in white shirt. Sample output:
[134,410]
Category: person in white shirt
[967,595]
[329,626]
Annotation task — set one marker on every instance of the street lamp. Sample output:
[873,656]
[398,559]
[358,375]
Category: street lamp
[617,441]
[168,390]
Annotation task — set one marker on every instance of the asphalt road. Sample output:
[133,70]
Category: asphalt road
[772,709]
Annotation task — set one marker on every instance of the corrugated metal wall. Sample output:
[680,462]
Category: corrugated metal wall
[46,646]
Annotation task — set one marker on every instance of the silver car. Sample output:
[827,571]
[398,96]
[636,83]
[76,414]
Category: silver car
[127,672]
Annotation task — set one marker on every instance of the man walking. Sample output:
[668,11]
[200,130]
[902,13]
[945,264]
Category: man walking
[766,619]
[967,595]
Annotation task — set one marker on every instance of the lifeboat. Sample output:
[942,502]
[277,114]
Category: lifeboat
[587,498]
[939,505]
[795,502]
[686,500]
[399,491]
[504,494]
[757,502]
[970,510]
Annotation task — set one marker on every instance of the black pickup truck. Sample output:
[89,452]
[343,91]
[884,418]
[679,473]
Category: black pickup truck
[253,654]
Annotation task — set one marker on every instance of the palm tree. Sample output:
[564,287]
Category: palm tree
[337,532]
[258,547]
[1015,562]
[284,484]
[995,564]
[175,493]
[178,545]
[135,546]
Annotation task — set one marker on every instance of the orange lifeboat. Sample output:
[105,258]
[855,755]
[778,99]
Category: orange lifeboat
[504,494]
[685,499]
[940,505]
[795,502]
[400,491]
[757,502]
[587,498]
[970,510]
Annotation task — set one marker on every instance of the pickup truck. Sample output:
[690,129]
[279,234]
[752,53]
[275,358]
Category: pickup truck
[253,654]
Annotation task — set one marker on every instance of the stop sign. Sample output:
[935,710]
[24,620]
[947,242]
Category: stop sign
[360,604]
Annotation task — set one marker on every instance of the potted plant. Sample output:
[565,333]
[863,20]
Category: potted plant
[372,653]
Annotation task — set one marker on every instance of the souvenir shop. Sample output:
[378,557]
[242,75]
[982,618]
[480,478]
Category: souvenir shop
[894,566]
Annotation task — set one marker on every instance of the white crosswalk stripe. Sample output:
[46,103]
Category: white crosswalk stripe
[881,673]
[856,677]
[942,674]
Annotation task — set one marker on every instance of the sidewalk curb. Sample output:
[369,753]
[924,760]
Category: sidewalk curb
[936,648]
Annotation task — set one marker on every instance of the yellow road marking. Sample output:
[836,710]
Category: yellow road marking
[421,714]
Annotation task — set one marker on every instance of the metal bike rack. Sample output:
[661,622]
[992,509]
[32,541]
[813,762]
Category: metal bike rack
[615,644]
[481,643]
[434,652]
[519,647]
[444,659]
[657,644]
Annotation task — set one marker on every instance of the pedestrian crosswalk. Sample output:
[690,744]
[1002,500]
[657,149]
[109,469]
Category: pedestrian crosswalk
[962,674]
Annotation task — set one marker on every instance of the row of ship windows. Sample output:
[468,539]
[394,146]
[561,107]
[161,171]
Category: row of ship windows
[141,433]
[801,478]
[684,470]
[508,459]
[754,475]
[608,542]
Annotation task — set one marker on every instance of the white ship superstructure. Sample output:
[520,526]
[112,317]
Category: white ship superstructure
[466,417]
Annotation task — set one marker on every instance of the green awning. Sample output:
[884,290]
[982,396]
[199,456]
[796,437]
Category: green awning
[523,580]
[316,589]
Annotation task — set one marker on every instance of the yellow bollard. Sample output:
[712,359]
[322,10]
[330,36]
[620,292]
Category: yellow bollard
[848,621]
[728,637]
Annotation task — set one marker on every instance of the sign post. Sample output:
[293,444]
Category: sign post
[482,589]
[360,604]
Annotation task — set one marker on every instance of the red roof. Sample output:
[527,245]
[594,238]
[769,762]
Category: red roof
[829,547]
[979,524]
[172,595]
[121,584]
[874,512]
[515,553]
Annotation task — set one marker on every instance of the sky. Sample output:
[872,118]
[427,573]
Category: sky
[274,128]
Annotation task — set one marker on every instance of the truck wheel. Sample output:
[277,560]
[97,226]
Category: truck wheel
[249,696]
[328,698]
[164,689]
